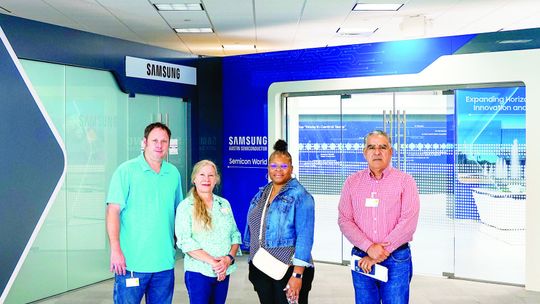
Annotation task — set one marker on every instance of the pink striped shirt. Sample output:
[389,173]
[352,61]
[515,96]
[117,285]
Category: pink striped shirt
[393,220]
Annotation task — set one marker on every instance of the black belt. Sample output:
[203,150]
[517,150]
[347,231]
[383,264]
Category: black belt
[404,246]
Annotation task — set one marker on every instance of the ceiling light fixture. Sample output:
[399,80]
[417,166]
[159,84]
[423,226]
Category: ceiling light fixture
[377,7]
[179,7]
[194,30]
[514,41]
[238,47]
[352,31]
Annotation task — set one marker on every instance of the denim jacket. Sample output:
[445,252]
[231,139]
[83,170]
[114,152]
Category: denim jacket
[290,222]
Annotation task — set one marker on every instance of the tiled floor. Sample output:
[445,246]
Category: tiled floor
[332,284]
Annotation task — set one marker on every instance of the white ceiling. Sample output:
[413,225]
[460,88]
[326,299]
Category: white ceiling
[274,25]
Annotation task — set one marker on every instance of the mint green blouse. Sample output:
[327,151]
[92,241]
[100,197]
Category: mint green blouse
[216,242]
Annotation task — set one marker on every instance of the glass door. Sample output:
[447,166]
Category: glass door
[427,153]
[420,126]
[328,133]
[145,109]
[315,141]
[490,188]
[465,149]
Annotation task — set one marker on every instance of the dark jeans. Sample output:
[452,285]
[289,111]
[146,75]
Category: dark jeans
[157,287]
[270,291]
[396,291]
[206,290]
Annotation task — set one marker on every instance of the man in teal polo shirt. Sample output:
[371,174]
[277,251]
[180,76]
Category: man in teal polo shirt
[143,196]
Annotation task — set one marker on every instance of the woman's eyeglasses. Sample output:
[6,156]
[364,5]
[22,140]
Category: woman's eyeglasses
[275,166]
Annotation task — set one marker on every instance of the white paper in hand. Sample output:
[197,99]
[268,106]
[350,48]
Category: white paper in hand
[378,272]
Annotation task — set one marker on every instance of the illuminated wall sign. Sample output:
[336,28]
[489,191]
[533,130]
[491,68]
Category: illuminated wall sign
[161,71]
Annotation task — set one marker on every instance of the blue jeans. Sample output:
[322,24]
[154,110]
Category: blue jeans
[157,287]
[205,290]
[396,291]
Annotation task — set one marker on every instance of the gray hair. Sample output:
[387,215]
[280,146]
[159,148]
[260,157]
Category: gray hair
[377,132]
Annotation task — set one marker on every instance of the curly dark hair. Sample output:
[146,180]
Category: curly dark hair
[280,148]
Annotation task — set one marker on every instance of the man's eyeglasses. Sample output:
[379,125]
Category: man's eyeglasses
[275,166]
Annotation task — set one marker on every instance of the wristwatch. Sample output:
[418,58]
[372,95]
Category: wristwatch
[231,257]
[297,275]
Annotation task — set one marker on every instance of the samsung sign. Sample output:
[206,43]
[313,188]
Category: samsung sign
[162,71]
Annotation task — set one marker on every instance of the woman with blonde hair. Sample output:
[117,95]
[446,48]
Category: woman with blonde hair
[208,235]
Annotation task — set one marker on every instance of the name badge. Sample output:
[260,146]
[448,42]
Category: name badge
[372,202]
[132,282]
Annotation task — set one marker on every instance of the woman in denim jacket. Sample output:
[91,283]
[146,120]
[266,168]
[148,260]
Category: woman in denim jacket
[288,233]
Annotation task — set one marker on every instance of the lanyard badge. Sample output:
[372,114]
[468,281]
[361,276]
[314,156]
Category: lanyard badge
[132,282]
[372,202]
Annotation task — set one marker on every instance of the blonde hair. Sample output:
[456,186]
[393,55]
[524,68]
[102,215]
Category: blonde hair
[201,215]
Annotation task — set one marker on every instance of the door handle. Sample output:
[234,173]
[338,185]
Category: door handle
[391,124]
[384,120]
[404,141]
[398,143]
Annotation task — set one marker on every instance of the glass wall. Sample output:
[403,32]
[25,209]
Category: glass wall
[490,191]
[466,150]
[94,119]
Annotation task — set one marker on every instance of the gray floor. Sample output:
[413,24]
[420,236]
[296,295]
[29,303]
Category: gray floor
[332,284]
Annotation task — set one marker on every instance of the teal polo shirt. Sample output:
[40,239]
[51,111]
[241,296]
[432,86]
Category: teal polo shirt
[147,201]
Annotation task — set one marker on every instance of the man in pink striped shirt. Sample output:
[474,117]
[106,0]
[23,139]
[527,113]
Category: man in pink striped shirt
[378,213]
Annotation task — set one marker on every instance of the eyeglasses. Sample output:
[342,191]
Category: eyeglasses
[275,166]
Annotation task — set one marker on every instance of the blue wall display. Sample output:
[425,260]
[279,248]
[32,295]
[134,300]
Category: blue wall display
[246,80]
[426,133]
[332,145]
[32,162]
[490,143]
[491,115]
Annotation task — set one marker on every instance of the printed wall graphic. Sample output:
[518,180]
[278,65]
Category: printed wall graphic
[491,156]
[248,152]
[33,165]
[247,78]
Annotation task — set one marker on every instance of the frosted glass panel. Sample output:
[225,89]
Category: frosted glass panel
[95,112]
[143,110]
[173,111]
[91,114]
[47,256]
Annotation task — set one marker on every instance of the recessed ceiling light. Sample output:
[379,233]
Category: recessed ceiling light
[179,7]
[514,41]
[194,30]
[238,47]
[377,7]
[352,31]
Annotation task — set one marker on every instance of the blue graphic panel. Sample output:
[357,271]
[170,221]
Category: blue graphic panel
[31,166]
[332,145]
[491,155]
[246,80]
